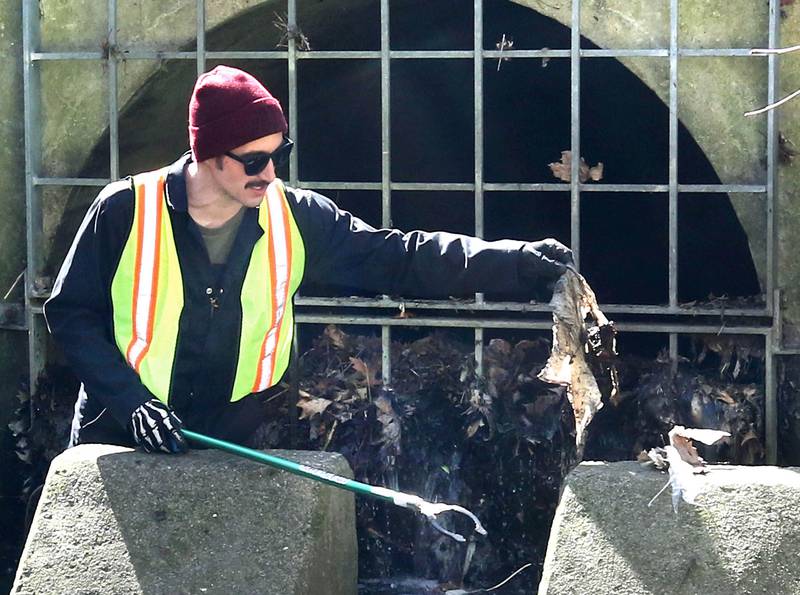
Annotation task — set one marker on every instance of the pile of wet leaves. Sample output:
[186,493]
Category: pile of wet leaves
[498,445]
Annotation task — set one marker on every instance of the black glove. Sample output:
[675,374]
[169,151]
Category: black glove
[544,261]
[155,427]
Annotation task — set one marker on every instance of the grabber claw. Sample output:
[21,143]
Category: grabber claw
[431,510]
[440,508]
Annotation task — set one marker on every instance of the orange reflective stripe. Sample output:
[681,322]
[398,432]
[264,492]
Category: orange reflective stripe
[146,272]
[280,259]
[284,290]
[138,266]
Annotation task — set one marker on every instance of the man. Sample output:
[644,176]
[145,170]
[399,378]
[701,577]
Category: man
[174,303]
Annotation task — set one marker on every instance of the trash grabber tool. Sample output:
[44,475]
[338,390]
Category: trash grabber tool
[429,509]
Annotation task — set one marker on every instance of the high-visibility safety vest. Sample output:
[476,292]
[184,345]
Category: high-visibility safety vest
[147,292]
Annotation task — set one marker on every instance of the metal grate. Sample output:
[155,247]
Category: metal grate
[671,319]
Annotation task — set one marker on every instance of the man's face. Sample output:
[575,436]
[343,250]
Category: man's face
[231,177]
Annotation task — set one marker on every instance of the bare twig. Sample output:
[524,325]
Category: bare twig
[497,586]
[773,105]
[14,284]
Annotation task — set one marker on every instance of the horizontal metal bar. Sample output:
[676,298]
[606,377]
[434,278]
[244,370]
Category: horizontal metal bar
[724,188]
[538,187]
[713,52]
[41,56]
[438,54]
[146,54]
[522,187]
[464,187]
[468,187]
[70,181]
[339,55]
[142,54]
[522,307]
[303,318]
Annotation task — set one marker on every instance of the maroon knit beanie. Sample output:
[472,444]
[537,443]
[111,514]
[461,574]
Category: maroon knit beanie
[229,108]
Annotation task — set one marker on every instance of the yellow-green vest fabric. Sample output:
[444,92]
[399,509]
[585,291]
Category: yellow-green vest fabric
[147,292]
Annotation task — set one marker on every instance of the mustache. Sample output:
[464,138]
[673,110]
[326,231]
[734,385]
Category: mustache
[256,184]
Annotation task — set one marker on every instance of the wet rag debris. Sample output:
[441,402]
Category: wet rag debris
[681,459]
[579,328]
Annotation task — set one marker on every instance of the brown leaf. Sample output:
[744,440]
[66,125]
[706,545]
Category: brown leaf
[562,169]
[335,335]
[360,366]
[311,407]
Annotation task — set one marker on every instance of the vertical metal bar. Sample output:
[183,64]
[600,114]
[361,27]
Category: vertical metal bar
[774,339]
[294,391]
[772,146]
[575,126]
[113,92]
[673,171]
[386,177]
[770,401]
[477,69]
[33,212]
[294,117]
[386,354]
[386,162]
[200,12]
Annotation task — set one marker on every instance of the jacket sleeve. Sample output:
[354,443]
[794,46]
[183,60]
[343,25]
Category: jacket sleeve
[344,251]
[78,312]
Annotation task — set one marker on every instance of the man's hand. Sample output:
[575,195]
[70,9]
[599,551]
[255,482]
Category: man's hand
[545,260]
[155,427]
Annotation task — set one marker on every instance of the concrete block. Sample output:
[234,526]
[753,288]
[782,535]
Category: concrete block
[743,537]
[114,520]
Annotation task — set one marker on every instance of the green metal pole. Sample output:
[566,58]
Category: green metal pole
[292,467]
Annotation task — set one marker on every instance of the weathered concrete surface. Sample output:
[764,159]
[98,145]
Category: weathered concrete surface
[113,520]
[743,538]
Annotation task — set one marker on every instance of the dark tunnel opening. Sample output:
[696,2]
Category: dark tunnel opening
[624,236]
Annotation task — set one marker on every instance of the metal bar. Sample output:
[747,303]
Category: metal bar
[386,354]
[41,56]
[428,54]
[723,188]
[775,339]
[575,134]
[631,327]
[147,54]
[469,305]
[386,162]
[772,149]
[113,92]
[477,75]
[70,181]
[33,218]
[467,187]
[673,154]
[200,15]
[770,401]
[673,174]
[294,117]
[386,177]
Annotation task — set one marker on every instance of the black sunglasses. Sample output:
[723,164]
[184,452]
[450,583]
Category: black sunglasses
[254,163]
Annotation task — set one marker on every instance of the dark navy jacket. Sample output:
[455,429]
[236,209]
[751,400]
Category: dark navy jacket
[341,251]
